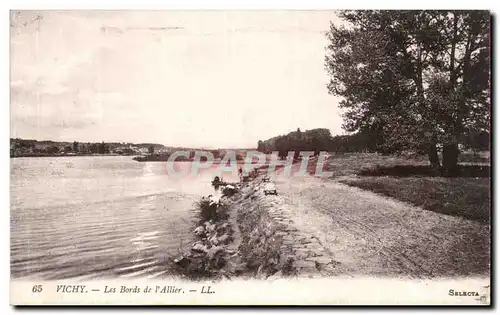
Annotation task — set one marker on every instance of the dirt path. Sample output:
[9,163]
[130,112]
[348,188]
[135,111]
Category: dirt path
[344,231]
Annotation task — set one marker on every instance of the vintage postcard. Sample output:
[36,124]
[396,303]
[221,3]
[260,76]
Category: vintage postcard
[250,157]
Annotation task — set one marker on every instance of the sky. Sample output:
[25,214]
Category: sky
[183,78]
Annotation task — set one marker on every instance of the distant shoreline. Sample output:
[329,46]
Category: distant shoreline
[65,155]
[137,158]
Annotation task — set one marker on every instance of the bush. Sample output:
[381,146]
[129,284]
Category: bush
[229,191]
[210,210]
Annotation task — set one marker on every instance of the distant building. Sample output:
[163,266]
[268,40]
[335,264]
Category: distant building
[127,150]
[162,151]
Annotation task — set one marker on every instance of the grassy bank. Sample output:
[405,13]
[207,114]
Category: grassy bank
[410,179]
[463,197]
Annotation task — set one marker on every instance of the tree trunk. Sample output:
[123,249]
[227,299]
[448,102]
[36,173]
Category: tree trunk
[433,156]
[450,159]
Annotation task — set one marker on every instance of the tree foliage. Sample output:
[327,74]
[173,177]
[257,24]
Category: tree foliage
[416,79]
[318,140]
[310,140]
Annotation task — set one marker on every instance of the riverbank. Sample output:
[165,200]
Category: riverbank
[324,227]
[250,236]
[363,233]
[273,245]
[216,247]
[238,237]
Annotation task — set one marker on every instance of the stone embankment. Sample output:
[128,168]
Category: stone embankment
[272,242]
[251,234]
[210,254]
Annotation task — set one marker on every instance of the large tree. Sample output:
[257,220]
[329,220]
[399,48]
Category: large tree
[418,79]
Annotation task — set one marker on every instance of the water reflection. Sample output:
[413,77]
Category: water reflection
[89,217]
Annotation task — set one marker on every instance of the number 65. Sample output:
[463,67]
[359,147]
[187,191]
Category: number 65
[37,288]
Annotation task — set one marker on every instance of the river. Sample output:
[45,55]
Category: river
[100,217]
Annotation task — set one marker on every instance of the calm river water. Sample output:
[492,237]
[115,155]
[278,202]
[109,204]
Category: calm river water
[100,216]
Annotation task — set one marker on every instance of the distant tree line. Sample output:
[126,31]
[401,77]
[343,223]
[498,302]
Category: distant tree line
[29,147]
[317,140]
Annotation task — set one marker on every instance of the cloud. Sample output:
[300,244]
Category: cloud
[130,77]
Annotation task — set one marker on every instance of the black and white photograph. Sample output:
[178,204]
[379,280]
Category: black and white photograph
[248,157]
